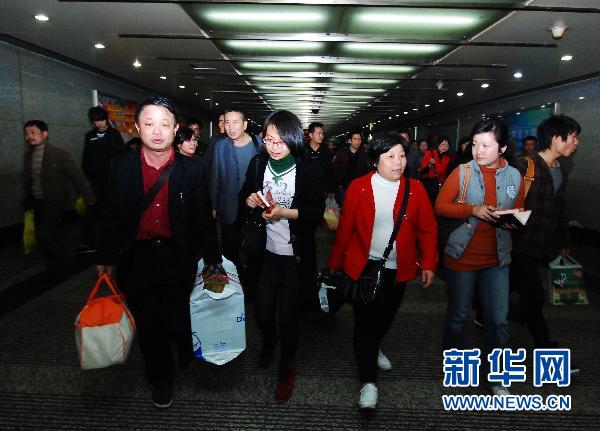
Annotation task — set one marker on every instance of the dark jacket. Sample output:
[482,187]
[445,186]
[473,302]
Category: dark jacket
[97,153]
[342,172]
[323,156]
[190,212]
[308,200]
[59,176]
[547,229]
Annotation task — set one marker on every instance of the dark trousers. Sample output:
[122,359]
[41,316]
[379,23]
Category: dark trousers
[157,288]
[91,222]
[249,271]
[48,220]
[372,322]
[524,278]
[279,288]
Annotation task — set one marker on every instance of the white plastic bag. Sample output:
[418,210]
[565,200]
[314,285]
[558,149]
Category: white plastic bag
[218,319]
[331,214]
[104,329]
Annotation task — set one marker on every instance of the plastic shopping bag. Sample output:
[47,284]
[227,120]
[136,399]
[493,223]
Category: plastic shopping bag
[332,213]
[29,243]
[566,282]
[218,315]
[104,329]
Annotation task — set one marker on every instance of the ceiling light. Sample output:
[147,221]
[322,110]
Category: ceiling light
[182,86]
[372,68]
[274,45]
[518,113]
[392,48]
[441,100]
[282,79]
[460,94]
[359,90]
[397,115]
[485,85]
[282,67]
[405,112]
[406,18]
[42,17]
[205,68]
[207,100]
[137,63]
[195,94]
[390,117]
[368,81]
[426,105]
[216,103]
[543,106]
[518,75]
[285,88]
[414,109]
[566,58]
[162,77]
[263,16]
[581,97]
[99,46]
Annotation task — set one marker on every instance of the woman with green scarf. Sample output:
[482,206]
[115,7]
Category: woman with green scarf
[290,190]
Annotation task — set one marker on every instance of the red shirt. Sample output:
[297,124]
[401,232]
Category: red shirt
[155,221]
[416,242]
[441,165]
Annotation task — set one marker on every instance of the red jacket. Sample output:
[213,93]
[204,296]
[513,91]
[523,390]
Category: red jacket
[441,165]
[416,243]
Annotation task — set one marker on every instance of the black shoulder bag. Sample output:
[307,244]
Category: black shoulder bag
[253,233]
[368,288]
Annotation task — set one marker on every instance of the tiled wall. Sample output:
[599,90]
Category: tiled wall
[33,86]
[583,194]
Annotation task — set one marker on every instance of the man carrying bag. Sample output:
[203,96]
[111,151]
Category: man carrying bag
[156,218]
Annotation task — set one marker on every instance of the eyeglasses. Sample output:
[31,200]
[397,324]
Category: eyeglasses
[272,143]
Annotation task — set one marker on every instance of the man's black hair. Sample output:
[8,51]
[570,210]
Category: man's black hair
[530,138]
[164,102]
[356,131]
[235,110]
[557,125]
[290,130]
[97,113]
[36,123]
[191,121]
[183,134]
[313,126]
[383,144]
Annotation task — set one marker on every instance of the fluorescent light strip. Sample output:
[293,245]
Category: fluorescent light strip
[372,68]
[395,48]
[272,66]
[404,18]
[274,45]
[369,81]
[282,79]
[227,16]
[359,90]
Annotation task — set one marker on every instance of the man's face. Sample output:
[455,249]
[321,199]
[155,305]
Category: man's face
[235,126]
[355,141]
[317,136]
[156,127]
[196,128]
[101,125]
[566,147]
[35,137]
[529,146]
[222,124]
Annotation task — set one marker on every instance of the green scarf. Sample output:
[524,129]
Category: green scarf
[282,165]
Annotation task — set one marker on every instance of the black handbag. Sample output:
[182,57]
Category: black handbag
[253,232]
[369,286]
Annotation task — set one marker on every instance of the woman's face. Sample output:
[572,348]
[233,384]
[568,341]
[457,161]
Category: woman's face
[423,146]
[391,164]
[188,148]
[486,150]
[276,148]
[443,146]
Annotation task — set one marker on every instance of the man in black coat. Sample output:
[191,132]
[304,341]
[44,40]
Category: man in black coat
[156,249]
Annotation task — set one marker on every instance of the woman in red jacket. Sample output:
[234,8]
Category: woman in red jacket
[371,206]
[434,167]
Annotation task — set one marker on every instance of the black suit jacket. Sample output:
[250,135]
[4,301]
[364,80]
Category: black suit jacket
[190,211]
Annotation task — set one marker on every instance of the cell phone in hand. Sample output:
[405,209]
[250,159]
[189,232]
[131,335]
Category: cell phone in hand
[268,205]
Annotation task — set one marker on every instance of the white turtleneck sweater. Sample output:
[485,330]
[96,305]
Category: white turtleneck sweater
[385,193]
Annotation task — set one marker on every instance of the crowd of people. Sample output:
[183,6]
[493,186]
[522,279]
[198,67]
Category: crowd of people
[158,204]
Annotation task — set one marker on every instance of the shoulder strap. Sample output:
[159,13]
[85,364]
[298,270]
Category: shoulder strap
[398,223]
[465,184]
[160,181]
[529,175]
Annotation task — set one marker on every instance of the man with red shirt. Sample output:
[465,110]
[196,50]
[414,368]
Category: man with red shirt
[155,247]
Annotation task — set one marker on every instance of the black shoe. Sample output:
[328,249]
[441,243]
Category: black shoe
[162,396]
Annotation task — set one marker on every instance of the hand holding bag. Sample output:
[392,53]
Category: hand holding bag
[368,287]
[104,329]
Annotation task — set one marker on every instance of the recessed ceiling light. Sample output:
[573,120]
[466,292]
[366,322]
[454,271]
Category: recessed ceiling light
[372,68]
[426,105]
[407,18]
[518,75]
[393,48]
[460,94]
[581,97]
[228,16]
[216,103]
[405,112]
[162,77]
[390,117]
[282,67]
[137,63]
[205,68]
[543,106]
[397,115]
[42,17]
[566,58]
[441,100]
[518,113]
[274,45]
[485,85]
[414,109]
[99,46]
[182,86]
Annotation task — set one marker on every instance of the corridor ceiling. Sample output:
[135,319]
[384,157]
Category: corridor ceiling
[345,63]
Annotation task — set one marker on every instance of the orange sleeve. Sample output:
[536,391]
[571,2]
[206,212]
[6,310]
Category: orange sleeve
[445,205]
[520,202]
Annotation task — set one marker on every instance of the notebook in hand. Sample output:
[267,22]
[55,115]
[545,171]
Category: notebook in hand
[512,216]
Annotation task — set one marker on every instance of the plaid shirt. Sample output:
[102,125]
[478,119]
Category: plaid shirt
[547,229]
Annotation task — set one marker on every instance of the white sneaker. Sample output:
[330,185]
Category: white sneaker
[368,396]
[383,362]
[499,390]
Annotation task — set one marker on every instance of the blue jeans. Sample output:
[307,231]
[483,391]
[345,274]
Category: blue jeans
[493,292]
